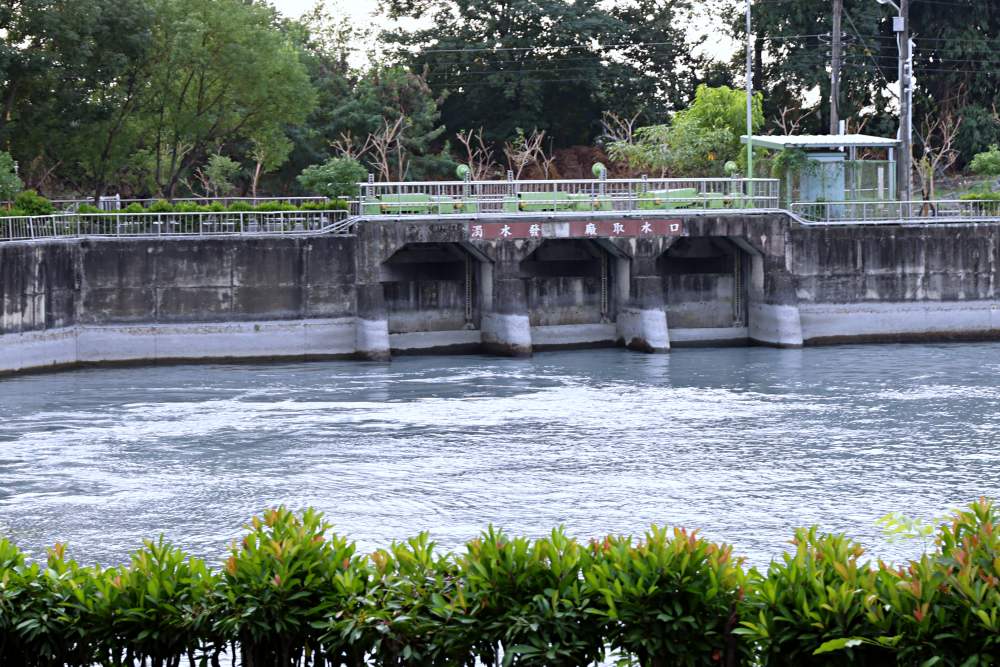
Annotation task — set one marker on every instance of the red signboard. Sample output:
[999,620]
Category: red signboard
[626,227]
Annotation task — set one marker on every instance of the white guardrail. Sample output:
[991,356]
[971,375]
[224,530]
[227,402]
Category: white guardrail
[896,212]
[564,196]
[71,225]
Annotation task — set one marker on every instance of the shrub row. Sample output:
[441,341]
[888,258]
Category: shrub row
[292,592]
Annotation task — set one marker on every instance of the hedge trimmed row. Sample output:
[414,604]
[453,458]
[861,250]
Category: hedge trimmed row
[294,593]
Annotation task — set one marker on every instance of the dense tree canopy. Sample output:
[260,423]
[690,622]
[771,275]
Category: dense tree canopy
[956,64]
[136,96]
[553,65]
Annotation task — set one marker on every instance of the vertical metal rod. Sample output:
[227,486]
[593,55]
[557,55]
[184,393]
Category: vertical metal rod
[749,106]
[604,285]
[468,291]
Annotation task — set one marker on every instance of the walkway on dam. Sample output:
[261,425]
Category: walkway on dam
[497,201]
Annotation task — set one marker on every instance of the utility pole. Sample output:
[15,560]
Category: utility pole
[749,104]
[902,28]
[836,53]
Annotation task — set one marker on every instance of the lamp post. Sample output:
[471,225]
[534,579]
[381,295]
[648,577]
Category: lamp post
[901,26]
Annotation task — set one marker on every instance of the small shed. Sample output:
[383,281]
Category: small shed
[835,167]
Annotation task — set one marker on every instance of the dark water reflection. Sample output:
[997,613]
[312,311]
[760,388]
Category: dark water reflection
[745,443]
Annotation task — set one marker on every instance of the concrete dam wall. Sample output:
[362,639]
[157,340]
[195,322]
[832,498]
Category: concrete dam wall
[466,286]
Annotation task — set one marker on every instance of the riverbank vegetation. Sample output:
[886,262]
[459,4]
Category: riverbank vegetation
[174,98]
[293,592]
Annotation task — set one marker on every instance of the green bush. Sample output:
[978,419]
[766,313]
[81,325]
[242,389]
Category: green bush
[986,163]
[819,593]
[325,205]
[670,599]
[32,203]
[274,206]
[240,206]
[10,183]
[987,203]
[134,207]
[190,207]
[292,592]
[337,177]
[161,206]
[87,209]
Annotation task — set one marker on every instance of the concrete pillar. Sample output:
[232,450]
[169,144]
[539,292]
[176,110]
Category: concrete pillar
[506,329]
[642,324]
[372,326]
[774,305]
[642,316]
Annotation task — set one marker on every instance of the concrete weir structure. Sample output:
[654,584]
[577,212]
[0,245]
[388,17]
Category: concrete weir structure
[511,287]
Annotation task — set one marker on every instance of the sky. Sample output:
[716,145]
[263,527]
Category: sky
[356,9]
[364,11]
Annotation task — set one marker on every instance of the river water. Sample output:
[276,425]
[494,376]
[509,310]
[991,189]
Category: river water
[744,443]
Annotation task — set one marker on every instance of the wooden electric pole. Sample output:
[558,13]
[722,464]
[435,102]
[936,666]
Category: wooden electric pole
[836,58]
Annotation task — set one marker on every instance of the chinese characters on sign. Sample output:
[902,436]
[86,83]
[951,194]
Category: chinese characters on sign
[596,229]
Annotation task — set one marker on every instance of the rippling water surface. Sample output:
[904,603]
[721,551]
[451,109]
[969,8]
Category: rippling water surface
[746,443]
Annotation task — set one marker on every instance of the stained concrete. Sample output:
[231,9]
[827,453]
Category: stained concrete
[410,286]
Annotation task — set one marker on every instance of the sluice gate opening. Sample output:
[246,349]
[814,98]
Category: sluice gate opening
[706,284]
[432,296]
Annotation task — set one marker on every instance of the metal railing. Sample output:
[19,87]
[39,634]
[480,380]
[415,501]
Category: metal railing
[76,225]
[73,204]
[474,198]
[896,212]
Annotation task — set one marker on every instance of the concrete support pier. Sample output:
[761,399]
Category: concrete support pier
[642,322]
[372,328]
[506,326]
[775,319]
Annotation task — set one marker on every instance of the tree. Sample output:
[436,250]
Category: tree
[478,154]
[217,176]
[69,72]
[226,73]
[987,163]
[337,177]
[698,141]
[269,150]
[555,65]
[10,184]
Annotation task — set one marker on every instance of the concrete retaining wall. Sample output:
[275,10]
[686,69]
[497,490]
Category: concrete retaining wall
[134,300]
[115,300]
[897,283]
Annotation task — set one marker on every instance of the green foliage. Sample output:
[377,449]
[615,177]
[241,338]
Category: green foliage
[669,600]
[10,184]
[30,202]
[276,582]
[789,161]
[87,209]
[987,163]
[819,593]
[291,590]
[274,206]
[161,206]
[325,205]
[134,207]
[556,66]
[337,177]
[698,141]
[219,174]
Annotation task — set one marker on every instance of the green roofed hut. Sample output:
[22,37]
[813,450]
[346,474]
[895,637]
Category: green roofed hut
[832,167]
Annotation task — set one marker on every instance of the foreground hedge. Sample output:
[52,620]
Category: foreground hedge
[294,593]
